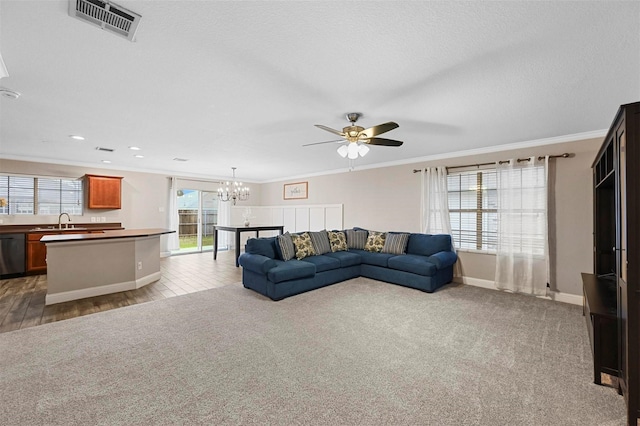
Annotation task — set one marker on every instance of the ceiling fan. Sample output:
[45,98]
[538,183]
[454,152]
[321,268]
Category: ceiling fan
[358,137]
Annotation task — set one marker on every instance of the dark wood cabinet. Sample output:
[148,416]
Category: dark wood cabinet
[36,254]
[600,310]
[104,192]
[617,242]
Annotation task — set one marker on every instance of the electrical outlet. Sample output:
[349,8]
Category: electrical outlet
[161,209]
[103,219]
[139,266]
[93,219]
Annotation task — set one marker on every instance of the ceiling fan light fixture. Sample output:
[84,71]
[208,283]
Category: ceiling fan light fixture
[362,150]
[358,138]
[352,151]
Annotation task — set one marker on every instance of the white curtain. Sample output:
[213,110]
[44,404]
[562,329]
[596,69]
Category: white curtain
[435,205]
[522,259]
[224,218]
[173,242]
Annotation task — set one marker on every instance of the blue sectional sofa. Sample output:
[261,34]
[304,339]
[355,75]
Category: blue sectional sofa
[421,261]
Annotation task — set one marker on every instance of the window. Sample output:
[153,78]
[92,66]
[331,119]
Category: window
[473,209]
[41,196]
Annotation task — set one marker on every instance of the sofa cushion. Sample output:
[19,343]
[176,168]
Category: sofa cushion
[426,245]
[320,241]
[375,241]
[356,239]
[443,259]
[257,262]
[323,263]
[415,264]
[346,258]
[370,258]
[337,240]
[291,270]
[264,246]
[395,243]
[303,245]
[285,243]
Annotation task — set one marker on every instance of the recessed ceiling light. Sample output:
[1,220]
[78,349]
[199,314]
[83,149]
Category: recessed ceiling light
[106,161]
[77,137]
[139,156]
[134,148]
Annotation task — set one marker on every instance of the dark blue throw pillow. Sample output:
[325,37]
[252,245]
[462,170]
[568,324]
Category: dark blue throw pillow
[265,246]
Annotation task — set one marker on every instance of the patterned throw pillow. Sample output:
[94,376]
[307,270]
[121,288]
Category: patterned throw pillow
[320,242]
[375,242]
[395,243]
[338,241]
[303,245]
[356,239]
[286,246]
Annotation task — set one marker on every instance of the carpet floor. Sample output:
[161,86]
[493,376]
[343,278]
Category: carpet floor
[361,352]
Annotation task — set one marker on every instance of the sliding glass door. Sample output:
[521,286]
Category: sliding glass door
[198,213]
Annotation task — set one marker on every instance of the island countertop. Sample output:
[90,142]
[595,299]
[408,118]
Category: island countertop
[122,233]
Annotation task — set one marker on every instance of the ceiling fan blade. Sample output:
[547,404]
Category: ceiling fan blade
[329,129]
[379,129]
[383,142]
[319,143]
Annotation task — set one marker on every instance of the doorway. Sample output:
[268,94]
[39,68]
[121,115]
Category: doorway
[197,213]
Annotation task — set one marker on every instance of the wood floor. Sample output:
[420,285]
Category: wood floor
[22,299]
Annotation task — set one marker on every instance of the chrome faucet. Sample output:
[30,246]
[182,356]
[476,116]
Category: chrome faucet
[66,225]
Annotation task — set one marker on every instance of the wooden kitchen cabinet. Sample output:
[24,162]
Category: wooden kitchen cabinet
[104,192]
[36,254]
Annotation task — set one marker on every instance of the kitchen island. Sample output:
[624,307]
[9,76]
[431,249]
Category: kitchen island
[87,265]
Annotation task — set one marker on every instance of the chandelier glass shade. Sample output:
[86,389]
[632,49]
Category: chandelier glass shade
[233,191]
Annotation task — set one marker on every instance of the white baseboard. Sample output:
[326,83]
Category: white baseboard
[148,279]
[83,293]
[556,296]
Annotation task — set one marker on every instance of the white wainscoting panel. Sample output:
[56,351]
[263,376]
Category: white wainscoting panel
[302,219]
[316,219]
[295,218]
[333,219]
[289,219]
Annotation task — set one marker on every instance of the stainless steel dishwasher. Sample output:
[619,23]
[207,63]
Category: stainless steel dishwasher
[12,252]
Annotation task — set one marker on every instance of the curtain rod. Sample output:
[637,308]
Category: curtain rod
[565,155]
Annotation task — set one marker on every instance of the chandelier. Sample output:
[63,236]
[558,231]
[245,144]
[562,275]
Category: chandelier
[233,191]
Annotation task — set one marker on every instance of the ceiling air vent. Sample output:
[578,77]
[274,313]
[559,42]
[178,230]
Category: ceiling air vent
[106,15]
[100,148]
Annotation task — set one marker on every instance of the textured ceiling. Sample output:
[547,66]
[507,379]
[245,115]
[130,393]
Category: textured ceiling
[242,83]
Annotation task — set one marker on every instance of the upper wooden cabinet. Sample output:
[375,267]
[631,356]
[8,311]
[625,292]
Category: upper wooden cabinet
[104,192]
